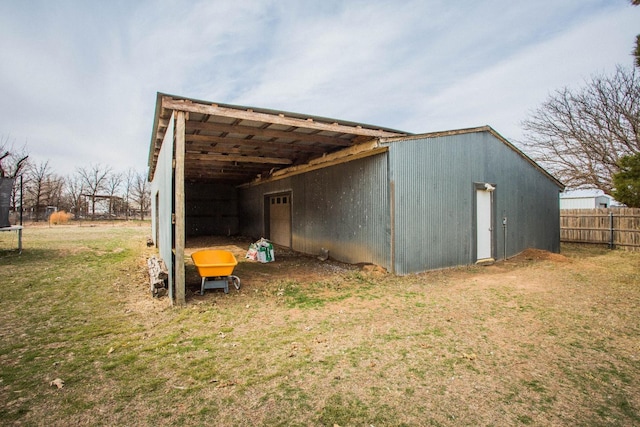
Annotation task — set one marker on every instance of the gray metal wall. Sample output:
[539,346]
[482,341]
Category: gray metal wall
[211,209]
[162,192]
[343,208]
[432,183]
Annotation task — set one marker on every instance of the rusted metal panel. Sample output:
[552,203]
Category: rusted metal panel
[346,211]
[343,208]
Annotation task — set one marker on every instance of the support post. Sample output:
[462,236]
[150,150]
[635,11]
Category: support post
[392,220]
[21,200]
[179,210]
[610,230]
[504,235]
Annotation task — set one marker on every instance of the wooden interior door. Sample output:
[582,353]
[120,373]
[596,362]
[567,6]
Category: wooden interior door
[280,219]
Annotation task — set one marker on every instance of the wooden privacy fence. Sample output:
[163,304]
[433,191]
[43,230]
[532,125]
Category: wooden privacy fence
[616,227]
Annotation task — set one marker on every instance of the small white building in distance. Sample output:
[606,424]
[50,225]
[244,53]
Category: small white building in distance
[586,199]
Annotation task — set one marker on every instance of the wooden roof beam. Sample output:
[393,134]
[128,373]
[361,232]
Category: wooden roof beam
[225,144]
[223,171]
[241,152]
[219,178]
[216,110]
[267,133]
[240,159]
[349,154]
[242,168]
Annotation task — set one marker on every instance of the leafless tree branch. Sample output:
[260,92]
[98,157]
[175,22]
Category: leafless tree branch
[581,135]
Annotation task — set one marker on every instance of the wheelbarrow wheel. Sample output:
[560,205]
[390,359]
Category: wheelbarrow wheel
[236,282]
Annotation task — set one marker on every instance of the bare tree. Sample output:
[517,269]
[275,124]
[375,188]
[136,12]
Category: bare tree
[13,161]
[140,193]
[17,158]
[41,187]
[581,135]
[129,182]
[74,191]
[114,181]
[95,179]
[53,194]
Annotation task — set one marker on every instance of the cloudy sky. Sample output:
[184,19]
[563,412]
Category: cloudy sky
[78,79]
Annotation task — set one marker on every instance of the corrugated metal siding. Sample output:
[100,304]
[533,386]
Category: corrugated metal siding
[343,208]
[162,188]
[431,188]
[528,199]
[433,200]
[432,204]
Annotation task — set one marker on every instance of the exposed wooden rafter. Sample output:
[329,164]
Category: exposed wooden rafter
[347,155]
[269,133]
[279,119]
[240,159]
[227,144]
[237,144]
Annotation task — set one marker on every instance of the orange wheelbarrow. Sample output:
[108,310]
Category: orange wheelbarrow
[216,266]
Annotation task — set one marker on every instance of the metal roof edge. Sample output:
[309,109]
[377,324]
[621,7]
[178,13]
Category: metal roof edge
[518,151]
[154,128]
[478,129]
[437,134]
[291,114]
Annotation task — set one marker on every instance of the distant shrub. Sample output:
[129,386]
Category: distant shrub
[60,217]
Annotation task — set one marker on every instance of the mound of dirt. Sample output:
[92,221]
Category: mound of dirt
[539,255]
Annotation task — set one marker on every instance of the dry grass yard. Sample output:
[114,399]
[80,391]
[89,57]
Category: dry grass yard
[542,339]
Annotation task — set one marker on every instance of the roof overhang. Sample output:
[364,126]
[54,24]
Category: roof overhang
[240,145]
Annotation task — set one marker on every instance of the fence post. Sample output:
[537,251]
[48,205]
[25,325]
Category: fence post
[21,198]
[610,230]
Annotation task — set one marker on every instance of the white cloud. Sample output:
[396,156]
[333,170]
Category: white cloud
[501,94]
[79,78]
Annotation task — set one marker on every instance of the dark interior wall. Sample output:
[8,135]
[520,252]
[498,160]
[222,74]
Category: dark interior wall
[211,209]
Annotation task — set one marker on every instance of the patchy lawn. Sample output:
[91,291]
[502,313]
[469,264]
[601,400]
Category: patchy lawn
[542,339]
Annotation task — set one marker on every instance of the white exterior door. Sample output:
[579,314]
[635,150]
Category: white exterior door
[484,228]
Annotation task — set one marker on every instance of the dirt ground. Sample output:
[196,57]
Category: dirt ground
[292,265]
[289,264]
